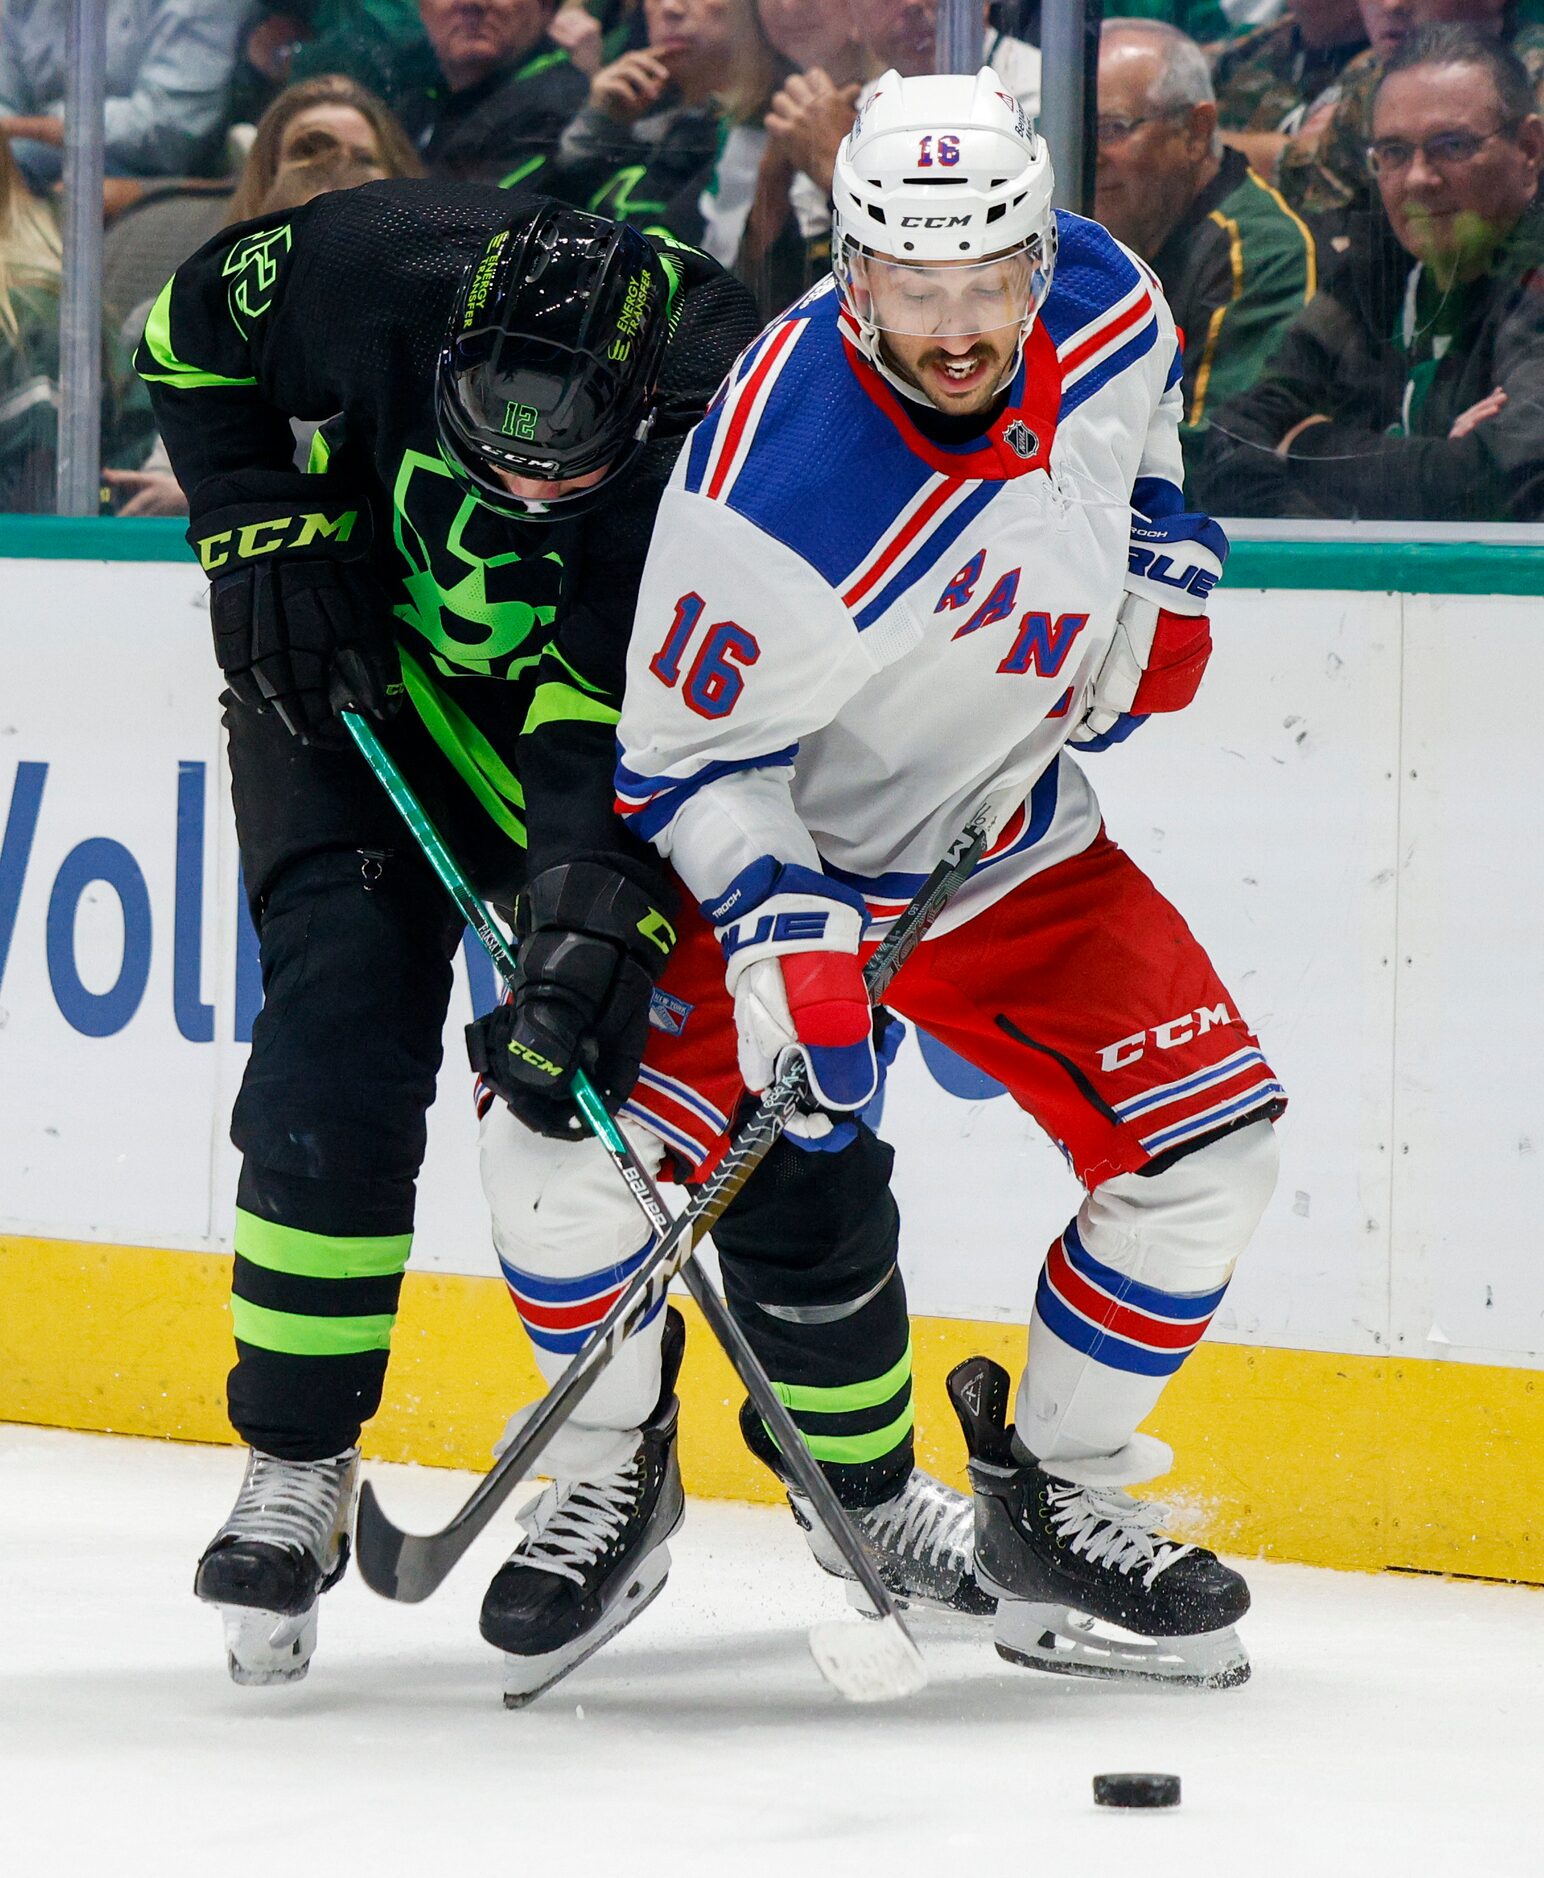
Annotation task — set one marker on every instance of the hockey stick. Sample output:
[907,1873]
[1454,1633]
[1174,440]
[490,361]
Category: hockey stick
[863,1664]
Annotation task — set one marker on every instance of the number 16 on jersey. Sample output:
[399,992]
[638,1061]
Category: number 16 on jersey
[713,682]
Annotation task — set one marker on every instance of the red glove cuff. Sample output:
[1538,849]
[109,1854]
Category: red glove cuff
[1182,644]
[826,998]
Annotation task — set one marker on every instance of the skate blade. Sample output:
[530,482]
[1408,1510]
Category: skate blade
[526,1677]
[263,1648]
[872,1662]
[1067,1643]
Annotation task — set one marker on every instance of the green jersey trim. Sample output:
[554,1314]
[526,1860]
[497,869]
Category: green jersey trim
[559,703]
[805,1399]
[158,342]
[467,750]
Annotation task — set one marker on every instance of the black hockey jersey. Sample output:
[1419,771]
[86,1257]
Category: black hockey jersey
[513,637]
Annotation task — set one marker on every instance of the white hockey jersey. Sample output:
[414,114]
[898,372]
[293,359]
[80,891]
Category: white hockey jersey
[848,637]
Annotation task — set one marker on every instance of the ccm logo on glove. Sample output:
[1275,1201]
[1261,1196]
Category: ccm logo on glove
[270,534]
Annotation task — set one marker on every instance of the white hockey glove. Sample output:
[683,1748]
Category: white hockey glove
[1163,638]
[790,938]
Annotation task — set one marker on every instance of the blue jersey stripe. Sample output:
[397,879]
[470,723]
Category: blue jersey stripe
[665,794]
[1135,348]
[942,537]
[571,1290]
[900,886]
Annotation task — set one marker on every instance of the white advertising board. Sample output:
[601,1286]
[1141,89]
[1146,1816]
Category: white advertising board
[1343,840]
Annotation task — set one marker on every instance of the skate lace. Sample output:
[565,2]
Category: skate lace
[1110,1528]
[925,1519]
[290,1503]
[570,1528]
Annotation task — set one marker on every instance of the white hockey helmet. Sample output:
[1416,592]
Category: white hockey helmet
[945,177]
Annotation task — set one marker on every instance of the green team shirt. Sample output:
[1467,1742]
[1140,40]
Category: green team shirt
[1235,272]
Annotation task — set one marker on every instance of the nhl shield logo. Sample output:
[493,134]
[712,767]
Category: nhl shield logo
[1020,439]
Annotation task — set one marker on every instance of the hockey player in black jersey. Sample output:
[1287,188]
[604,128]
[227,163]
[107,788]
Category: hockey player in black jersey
[501,392]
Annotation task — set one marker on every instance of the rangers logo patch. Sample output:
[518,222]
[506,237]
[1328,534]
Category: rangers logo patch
[668,1013]
[1020,439]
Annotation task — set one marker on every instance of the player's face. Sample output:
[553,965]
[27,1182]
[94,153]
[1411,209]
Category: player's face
[533,489]
[952,328]
[1454,178]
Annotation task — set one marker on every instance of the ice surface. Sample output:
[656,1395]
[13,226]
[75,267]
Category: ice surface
[1394,1725]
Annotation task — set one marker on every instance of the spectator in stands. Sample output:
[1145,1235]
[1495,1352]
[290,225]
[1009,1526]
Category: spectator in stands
[812,113]
[1323,169]
[321,119]
[1236,264]
[642,148]
[1270,81]
[380,44]
[322,134]
[1412,387]
[169,66]
[502,92]
[29,357]
[748,218]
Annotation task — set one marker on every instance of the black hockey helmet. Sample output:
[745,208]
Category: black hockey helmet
[550,366]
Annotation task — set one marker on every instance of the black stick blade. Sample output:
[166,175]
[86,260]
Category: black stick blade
[378,1546]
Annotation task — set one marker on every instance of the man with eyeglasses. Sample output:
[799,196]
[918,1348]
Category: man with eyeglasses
[1235,263]
[1323,169]
[1411,387]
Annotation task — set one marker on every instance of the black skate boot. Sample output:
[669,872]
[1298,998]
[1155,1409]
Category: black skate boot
[921,1538]
[1087,1582]
[285,1543]
[595,1554]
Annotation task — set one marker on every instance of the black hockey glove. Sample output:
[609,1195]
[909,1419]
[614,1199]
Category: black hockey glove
[591,942]
[300,623]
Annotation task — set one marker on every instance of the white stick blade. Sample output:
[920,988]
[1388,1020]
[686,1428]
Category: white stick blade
[868,1660]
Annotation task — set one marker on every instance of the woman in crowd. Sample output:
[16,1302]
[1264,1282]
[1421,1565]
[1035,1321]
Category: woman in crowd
[324,133]
[321,117]
[29,357]
[751,224]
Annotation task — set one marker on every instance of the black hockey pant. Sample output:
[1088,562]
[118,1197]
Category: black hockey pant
[356,938]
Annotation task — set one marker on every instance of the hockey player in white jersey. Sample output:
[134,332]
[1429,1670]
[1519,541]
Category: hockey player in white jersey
[931,536]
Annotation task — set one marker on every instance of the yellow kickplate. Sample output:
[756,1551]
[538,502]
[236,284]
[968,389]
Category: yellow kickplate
[1358,1462]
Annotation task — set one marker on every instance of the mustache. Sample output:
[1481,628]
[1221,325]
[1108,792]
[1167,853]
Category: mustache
[979,354]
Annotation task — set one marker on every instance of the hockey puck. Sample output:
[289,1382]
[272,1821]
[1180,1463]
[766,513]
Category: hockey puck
[1136,1789]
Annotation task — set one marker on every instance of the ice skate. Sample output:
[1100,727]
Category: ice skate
[285,1542]
[1087,1583]
[594,1555]
[922,1538]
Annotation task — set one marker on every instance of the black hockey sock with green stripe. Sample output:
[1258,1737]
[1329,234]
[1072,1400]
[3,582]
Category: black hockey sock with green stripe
[808,1255]
[314,1293]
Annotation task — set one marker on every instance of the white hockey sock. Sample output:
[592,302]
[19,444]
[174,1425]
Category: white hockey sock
[569,1236]
[1126,1293]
